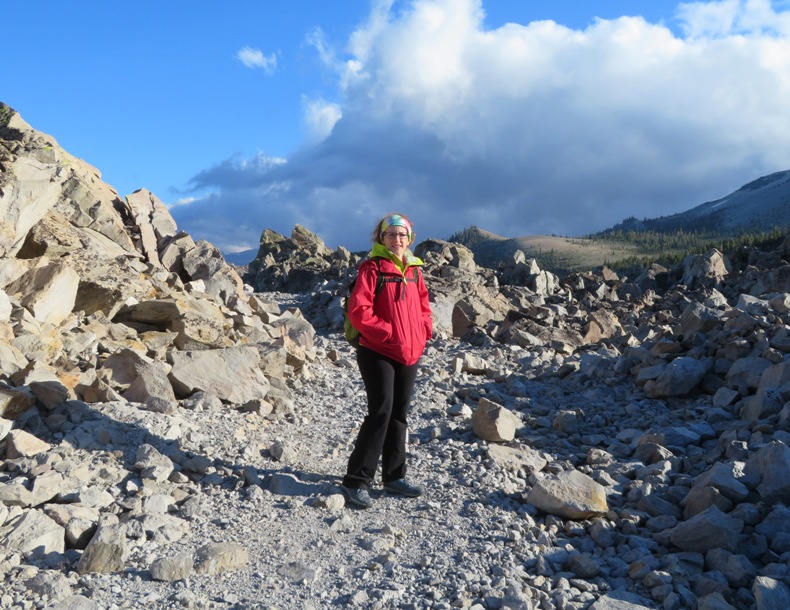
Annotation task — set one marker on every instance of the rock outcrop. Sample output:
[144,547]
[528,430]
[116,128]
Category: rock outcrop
[104,300]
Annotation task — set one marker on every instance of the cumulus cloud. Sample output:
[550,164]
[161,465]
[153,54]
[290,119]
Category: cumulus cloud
[255,59]
[728,17]
[530,128]
[320,118]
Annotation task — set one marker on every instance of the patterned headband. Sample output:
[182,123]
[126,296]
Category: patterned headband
[396,220]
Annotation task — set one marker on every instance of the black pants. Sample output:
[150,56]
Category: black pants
[388,385]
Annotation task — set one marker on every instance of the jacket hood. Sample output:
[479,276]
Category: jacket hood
[382,251]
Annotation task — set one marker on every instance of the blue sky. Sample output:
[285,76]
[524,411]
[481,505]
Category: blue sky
[522,117]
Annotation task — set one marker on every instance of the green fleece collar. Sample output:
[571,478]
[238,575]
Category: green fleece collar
[382,251]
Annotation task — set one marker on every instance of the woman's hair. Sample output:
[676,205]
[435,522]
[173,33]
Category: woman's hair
[378,230]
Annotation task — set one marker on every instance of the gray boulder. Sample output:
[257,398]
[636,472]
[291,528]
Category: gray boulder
[569,494]
[232,375]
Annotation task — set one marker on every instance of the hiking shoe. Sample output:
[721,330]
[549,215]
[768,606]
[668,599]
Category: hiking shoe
[357,496]
[403,488]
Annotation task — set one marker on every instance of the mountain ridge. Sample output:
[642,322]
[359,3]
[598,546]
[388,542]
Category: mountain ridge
[762,204]
[758,207]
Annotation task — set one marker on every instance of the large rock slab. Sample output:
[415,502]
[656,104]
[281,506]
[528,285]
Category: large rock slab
[151,383]
[601,324]
[621,600]
[171,569]
[493,422]
[745,373]
[219,557]
[15,494]
[106,552]
[121,368]
[697,318]
[80,522]
[153,220]
[55,236]
[106,286]
[172,250]
[205,262]
[12,360]
[14,402]
[48,292]
[570,494]
[24,444]
[770,467]
[770,594]
[5,306]
[33,534]
[679,377]
[233,375]
[522,458]
[197,322]
[705,269]
[707,530]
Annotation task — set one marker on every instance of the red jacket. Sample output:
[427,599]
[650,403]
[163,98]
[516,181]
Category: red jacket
[397,323]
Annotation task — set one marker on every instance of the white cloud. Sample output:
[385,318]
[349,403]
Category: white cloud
[182,201]
[255,59]
[525,129]
[320,117]
[730,17]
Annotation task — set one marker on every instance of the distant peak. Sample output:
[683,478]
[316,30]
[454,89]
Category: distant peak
[766,180]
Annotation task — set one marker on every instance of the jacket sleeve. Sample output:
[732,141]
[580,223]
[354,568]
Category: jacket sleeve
[360,307]
[425,308]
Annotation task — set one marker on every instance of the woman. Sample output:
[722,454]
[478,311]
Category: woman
[389,307]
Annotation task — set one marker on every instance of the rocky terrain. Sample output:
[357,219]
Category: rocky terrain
[173,430]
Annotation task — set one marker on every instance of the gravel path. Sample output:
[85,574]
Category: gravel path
[471,541]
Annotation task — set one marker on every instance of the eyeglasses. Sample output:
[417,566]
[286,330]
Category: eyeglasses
[396,235]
